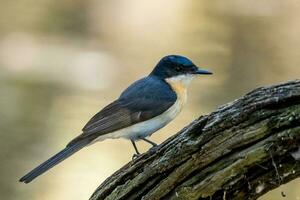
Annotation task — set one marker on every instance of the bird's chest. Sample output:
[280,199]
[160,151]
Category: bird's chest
[181,91]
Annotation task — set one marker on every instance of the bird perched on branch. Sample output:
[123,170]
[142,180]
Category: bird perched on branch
[143,108]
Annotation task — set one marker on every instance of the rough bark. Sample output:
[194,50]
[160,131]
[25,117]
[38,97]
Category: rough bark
[240,151]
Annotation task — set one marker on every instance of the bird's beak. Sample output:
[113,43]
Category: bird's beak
[202,71]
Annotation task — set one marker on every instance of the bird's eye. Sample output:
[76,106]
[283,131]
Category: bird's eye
[178,68]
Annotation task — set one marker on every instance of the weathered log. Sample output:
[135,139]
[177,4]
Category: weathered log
[241,151]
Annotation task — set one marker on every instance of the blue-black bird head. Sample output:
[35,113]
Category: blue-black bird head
[175,65]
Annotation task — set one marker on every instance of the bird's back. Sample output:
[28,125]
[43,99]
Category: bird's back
[151,88]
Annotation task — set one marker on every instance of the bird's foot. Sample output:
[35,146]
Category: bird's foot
[154,145]
[153,149]
[135,156]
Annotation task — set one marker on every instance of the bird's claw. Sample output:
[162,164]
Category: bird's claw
[154,145]
[135,156]
[153,149]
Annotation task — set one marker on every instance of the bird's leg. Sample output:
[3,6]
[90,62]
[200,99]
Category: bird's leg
[136,150]
[149,141]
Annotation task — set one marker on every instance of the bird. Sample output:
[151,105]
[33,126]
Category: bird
[143,108]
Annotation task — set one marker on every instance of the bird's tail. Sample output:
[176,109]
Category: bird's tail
[54,160]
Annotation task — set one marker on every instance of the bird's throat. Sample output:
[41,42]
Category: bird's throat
[180,84]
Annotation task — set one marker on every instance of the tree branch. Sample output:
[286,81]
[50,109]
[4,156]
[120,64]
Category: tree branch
[241,151]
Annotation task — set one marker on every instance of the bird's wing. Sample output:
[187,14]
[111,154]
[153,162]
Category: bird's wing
[142,101]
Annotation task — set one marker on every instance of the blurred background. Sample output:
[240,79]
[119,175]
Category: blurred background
[62,61]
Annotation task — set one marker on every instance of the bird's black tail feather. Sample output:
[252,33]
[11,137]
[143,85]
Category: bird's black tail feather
[54,160]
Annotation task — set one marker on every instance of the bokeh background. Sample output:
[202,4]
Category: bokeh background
[62,61]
